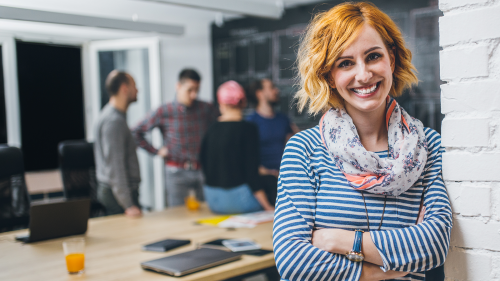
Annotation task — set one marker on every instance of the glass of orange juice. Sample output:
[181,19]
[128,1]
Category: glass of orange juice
[191,202]
[74,251]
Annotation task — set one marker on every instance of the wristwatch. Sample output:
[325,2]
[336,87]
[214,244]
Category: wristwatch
[355,254]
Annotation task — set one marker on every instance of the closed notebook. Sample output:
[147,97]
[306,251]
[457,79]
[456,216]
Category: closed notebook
[192,261]
[165,245]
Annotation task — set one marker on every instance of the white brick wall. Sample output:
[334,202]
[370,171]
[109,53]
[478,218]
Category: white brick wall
[470,200]
[477,96]
[464,63]
[445,5]
[475,25]
[465,132]
[471,166]
[479,266]
[470,66]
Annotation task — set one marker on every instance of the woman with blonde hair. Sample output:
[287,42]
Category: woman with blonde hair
[360,197]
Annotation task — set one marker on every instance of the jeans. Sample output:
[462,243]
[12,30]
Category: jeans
[178,183]
[107,199]
[233,200]
[436,274]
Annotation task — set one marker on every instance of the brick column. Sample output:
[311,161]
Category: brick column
[470,66]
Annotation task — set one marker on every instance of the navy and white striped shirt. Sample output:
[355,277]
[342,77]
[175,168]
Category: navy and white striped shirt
[314,194]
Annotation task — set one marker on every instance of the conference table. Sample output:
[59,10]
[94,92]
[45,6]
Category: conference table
[113,248]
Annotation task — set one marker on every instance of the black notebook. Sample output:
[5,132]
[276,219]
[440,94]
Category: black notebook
[165,245]
[189,262]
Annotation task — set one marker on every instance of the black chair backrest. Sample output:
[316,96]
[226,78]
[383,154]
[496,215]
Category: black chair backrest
[76,160]
[14,197]
[11,161]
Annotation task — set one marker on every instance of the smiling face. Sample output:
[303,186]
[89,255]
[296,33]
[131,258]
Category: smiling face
[363,73]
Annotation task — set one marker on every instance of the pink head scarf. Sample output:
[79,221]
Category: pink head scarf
[230,93]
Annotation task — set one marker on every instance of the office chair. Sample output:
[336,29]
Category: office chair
[14,197]
[76,162]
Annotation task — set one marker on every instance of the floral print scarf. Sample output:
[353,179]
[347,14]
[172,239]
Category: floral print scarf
[365,170]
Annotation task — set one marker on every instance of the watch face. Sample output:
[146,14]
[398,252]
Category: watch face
[355,256]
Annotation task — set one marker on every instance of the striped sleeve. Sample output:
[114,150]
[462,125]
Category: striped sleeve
[296,258]
[427,243]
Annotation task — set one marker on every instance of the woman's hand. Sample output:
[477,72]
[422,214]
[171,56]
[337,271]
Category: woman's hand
[268,208]
[261,196]
[371,272]
[327,239]
[340,241]
[421,214]
[263,171]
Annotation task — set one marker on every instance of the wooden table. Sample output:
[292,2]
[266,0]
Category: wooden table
[113,249]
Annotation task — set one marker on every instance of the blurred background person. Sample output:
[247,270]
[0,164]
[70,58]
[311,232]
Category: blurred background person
[275,129]
[230,158]
[182,123]
[117,167]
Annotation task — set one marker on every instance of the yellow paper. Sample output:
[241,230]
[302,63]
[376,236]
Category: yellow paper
[213,221]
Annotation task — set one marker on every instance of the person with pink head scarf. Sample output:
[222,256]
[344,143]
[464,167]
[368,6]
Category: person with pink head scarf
[230,158]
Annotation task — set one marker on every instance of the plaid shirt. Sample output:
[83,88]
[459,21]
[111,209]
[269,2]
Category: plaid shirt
[182,128]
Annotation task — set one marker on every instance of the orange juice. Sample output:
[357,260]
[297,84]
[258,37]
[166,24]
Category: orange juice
[191,203]
[75,262]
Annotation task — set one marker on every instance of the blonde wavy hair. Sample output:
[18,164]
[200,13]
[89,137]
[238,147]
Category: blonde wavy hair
[326,38]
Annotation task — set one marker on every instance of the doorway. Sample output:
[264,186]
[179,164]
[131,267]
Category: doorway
[50,101]
[139,57]
[3,117]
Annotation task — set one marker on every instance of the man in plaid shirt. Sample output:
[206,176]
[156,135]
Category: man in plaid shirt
[183,124]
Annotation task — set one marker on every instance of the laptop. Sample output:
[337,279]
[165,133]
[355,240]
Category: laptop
[57,218]
[189,262]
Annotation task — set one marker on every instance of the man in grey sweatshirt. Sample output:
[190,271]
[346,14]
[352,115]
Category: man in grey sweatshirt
[116,160]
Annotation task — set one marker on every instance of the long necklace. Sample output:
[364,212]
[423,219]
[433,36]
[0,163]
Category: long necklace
[383,210]
[366,211]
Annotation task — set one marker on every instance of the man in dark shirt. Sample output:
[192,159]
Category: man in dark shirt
[182,123]
[275,129]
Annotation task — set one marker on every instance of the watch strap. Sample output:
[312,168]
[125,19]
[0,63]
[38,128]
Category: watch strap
[358,237]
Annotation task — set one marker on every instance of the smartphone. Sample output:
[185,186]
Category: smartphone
[238,245]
